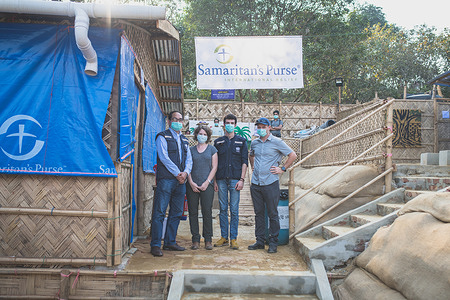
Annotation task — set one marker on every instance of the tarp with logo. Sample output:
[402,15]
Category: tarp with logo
[249,62]
[51,112]
[154,123]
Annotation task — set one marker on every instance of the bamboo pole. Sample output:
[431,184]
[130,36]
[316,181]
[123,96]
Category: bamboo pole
[5,260]
[436,140]
[109,272]
[340,202]
[389,125]
[343,162]
[64,285]
[110,228]
[342,133]
[291,198]
[53,212]
[339,170]
[117,253]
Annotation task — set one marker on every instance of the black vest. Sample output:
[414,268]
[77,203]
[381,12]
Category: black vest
[174,155]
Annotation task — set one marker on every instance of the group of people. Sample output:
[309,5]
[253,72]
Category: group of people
[203,169]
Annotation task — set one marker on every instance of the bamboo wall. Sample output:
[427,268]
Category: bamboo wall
[295,116]
[442,125]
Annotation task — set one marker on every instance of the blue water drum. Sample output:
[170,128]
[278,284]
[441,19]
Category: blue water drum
[283,215]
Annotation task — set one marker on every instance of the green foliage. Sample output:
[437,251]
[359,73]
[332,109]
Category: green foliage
[340,39]
[244,132]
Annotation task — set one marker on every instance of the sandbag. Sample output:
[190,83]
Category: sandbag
[362,285]
[436,204]
[314,204]
[342,184]
[411,256]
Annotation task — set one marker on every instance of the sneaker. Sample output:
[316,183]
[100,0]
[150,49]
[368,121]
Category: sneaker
[256,246]
[222,242]
[234,245]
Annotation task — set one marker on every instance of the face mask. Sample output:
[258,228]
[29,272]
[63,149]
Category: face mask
[216,124]
[275,116]
[229,128]
[202,138]
[176,126]
[261,132]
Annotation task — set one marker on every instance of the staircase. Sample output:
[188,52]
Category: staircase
[344,237]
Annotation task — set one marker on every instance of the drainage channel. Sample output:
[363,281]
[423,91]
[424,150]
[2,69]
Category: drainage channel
[212,284]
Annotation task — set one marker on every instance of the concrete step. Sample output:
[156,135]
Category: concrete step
[384,209]
[362,219]
[422,183]
[405,170]
[329,232]
[344,237]
[411,194]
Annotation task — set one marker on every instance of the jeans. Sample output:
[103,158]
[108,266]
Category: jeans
[206,200]
[266,196]
[227,186]
[168,191]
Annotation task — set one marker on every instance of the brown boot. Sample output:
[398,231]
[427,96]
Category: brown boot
[208,246]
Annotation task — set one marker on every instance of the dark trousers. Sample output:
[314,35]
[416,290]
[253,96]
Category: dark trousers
[266,196]
[206,200]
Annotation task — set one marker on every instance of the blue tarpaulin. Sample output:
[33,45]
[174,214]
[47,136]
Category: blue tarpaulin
[154,123]
[51,112]
[129,99]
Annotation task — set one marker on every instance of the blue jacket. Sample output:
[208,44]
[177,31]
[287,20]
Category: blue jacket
[172,148]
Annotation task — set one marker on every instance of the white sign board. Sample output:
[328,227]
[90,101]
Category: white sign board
[270,62]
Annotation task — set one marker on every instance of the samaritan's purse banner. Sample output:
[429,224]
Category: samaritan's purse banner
[270,62]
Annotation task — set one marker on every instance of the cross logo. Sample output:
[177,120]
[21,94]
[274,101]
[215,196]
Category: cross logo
[20,135]
[223,54]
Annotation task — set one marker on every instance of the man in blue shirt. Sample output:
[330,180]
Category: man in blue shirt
[232,153]
[266,154]
[276,125]
[174,163]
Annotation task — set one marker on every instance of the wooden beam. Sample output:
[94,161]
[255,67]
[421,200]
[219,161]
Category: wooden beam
[168,28]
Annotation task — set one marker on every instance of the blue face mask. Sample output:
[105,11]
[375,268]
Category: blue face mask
[176,126]
[275,116]
[261,132]
[202,138]
[229,128]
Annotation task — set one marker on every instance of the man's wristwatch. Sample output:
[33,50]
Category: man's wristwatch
[283,168]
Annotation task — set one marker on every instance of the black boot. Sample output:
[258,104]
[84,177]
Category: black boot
[272,248]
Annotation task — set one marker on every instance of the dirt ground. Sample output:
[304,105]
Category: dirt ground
[220,258]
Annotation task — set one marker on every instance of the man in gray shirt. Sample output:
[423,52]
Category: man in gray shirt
[266,154]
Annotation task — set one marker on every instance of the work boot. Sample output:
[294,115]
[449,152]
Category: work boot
[234,245]
[174,247]
[256,246]
[208,246]
[222,242]
[272,248]
[195,245]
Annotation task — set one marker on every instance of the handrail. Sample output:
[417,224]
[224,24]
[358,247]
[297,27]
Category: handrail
[339,170]
[388,102]
[340,202]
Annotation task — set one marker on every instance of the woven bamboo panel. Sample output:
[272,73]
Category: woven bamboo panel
[126,194]
[412,155]
[351,109]
[87,285]
[60,192]
[349,145]
[52,236]
[295,116]
[443,127]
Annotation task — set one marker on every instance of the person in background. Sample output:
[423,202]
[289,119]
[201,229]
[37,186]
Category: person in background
[217,130]
[276,125]
[232,153]
[266,154]
[174,164]
[201,187]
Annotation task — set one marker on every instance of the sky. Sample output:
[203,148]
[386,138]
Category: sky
[408,13]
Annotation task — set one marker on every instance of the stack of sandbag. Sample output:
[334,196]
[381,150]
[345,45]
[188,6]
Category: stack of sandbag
[409,259]
[332,191]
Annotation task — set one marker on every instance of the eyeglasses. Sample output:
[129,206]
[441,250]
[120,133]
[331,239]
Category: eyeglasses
[177,120]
